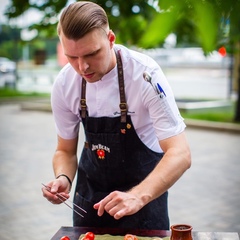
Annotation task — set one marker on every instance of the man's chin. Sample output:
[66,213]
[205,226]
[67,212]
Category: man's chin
[92,79]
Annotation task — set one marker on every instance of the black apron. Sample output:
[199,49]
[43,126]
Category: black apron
[114,158]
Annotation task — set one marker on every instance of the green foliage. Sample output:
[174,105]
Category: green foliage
[205,22]
[128,24]
[125,9]
[7,33]
[131,29]
[128,19]
[9,49]
[49,8]
[9,42]
[158,29]
[206,25]
[209,23]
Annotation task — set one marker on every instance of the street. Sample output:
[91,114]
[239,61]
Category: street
[206,197]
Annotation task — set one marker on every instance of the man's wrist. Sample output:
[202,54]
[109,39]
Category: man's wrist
[69,180]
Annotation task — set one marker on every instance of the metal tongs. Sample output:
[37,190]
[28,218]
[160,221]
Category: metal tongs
[64,199]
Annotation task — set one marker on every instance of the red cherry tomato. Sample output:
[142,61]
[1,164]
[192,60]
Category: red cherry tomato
[65,238]
[89,236]
[130,237]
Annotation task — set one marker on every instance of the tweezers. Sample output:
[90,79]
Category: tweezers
[64,199]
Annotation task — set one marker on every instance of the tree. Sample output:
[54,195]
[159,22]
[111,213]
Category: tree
[9,38]
[211,23]
[128,18]
[49,8]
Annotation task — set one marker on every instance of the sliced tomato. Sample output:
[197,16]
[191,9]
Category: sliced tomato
[89,236]
[65,238]
[130,237]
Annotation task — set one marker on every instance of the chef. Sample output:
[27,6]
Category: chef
[135,145]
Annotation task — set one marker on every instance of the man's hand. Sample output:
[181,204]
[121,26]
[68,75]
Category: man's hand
[119,204]
[54,187]
[64,164]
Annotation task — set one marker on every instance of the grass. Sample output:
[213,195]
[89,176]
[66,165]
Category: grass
[224,114]
[11,93]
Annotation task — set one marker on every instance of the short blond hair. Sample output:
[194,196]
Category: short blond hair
[81,17]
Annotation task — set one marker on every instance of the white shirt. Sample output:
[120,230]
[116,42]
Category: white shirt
[154,118]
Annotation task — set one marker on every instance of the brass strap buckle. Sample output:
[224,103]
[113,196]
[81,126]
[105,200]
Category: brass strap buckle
[123,107]
[83,103]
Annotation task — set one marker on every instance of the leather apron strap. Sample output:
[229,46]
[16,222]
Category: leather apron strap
[83,100]
[122,105]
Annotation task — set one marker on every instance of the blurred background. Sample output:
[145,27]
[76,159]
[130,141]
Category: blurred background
[196,43]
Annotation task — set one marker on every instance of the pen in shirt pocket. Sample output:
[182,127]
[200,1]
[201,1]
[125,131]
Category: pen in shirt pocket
[161,91]
[158,89]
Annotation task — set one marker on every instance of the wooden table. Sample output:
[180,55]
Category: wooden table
[74,232]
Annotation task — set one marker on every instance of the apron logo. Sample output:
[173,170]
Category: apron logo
[123,131]
[101,154]
[100,150]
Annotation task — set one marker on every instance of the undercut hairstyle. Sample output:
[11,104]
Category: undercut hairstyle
[80,18]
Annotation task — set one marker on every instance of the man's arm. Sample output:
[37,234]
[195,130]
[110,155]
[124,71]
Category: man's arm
[65,157]
[176,160]
[64,162]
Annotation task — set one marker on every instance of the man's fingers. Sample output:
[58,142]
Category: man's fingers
[118,205]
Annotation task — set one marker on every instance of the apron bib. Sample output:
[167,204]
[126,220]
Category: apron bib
[114,158]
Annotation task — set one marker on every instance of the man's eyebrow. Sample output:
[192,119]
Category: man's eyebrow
[85,55]
[69,55]
[93,52]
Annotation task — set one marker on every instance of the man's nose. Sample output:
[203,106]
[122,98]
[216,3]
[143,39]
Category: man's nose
[82,65]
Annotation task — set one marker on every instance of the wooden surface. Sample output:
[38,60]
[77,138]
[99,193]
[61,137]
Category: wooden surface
[74,232]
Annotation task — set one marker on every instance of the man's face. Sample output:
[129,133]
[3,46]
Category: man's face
[91,56]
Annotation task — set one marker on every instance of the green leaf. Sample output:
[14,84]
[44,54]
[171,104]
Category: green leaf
[159,29]
[206,20]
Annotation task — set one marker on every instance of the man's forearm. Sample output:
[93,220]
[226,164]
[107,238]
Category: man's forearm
[159,180]
[64,163]
[171,167]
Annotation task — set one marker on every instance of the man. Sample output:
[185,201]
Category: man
[135,147]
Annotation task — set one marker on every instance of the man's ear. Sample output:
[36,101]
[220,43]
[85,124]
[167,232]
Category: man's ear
[111,37]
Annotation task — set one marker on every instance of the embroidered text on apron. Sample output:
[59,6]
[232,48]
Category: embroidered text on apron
[114,158]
